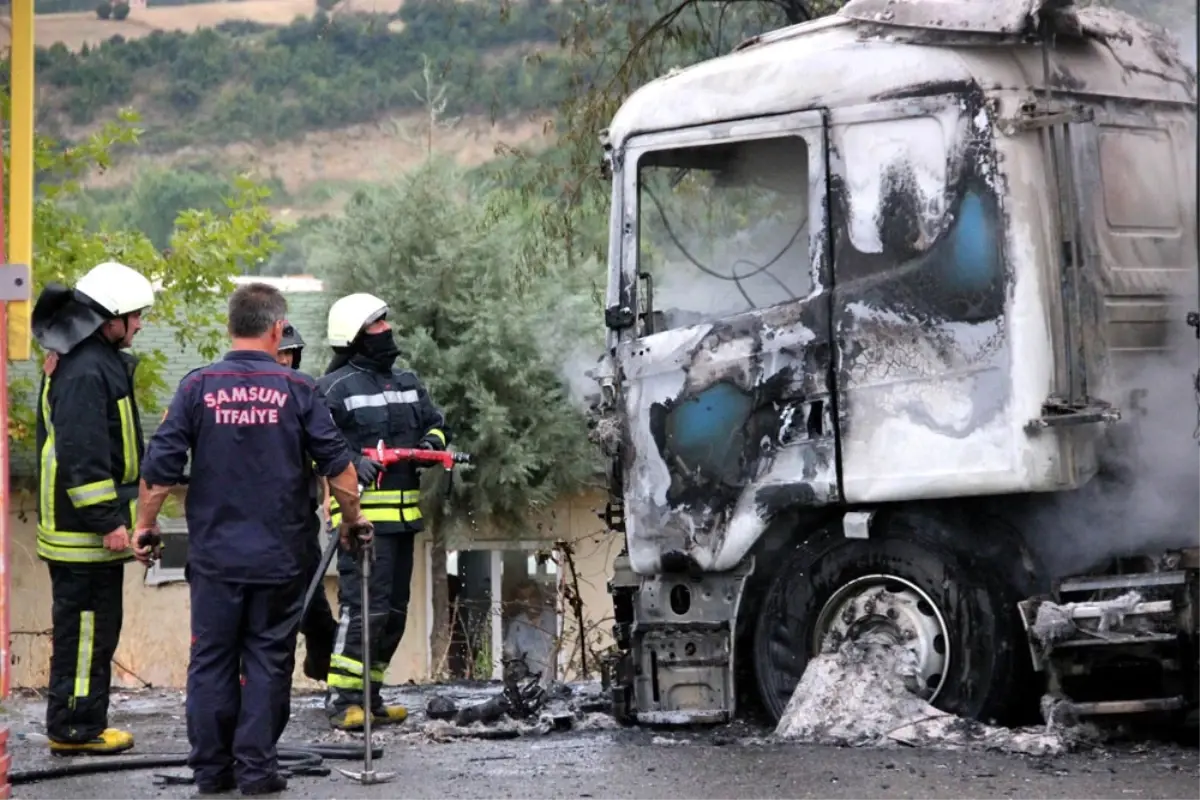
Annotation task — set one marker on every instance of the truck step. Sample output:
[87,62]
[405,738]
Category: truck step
[1115,707]
[1099,610]
[1137,581]
[1118,638]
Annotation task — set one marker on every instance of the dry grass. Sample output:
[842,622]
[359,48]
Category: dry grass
[334,159]
[76,29]
[341,158]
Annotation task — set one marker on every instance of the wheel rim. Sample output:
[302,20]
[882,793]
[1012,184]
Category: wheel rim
[898,609]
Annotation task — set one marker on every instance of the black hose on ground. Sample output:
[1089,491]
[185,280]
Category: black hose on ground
[296,759]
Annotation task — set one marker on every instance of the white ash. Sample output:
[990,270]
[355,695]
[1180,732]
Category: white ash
[858,696]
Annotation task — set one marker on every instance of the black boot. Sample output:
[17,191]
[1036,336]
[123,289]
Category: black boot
[272,785]
[317,652]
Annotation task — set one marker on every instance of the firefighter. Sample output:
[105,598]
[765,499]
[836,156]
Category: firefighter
[89,445]
[252,428]
[371,399]
[318,625]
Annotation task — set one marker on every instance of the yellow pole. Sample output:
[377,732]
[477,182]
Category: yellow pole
[20,192]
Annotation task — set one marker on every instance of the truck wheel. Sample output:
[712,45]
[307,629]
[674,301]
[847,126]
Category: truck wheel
[917,580]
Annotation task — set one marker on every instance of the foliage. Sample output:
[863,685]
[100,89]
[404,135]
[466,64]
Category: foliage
[66,6]
[612,49]
[488,350]
[157,196]
[120,10]
[104,10]
[207,248]
[240,81]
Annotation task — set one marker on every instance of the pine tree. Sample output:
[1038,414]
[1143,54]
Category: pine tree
[488,347]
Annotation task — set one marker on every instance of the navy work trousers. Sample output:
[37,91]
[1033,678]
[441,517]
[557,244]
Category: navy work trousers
[234,720]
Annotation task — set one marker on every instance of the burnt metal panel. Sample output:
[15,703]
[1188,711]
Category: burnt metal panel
[1005,17]
[727,422]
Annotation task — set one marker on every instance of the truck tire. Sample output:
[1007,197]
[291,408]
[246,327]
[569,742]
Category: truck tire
[933,578]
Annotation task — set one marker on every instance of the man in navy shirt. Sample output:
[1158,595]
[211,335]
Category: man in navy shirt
[252,427]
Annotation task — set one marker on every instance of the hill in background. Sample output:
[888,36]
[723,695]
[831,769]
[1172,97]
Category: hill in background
[317,103]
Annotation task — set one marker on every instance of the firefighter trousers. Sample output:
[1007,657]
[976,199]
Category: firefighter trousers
[391,577]
[86,615]
[234,721]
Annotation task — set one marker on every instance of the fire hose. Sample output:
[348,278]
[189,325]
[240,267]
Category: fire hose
[366,554]
[385,456]
[294,759]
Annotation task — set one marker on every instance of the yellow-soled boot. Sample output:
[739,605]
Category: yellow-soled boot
[110,742]
[351,719]
[389,715]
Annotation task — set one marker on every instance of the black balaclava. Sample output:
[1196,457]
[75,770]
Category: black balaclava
[378,348]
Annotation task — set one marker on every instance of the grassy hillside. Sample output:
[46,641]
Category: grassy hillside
[74,23]
[316,105]
[245,81]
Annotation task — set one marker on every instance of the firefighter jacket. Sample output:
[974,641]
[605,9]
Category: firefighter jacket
[253,429]
[368,405]
[89,448]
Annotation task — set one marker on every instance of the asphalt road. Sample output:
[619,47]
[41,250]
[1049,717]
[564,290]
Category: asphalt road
[625,763]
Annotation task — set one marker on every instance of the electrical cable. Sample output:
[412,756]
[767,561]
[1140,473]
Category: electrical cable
[735,278]
[295,759]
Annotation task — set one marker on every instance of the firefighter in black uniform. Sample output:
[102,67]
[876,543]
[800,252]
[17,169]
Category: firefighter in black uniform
[372,400]
[252,428]
[89,445]
[318,625]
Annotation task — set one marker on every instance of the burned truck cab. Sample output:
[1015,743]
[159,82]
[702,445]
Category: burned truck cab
[873,278]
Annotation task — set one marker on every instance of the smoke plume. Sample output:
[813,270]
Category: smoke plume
[1146,496]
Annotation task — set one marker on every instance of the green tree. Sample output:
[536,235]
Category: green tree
[488,348]
[613,48]
[207,248]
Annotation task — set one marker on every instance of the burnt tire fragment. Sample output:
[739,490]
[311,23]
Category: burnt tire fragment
[987,652]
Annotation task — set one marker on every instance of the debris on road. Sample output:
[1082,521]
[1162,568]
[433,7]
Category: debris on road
[861,694]
[525,706]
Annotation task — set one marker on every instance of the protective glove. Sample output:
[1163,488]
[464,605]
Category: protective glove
[368,470]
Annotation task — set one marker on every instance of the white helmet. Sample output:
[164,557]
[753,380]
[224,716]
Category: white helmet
[351,314]
[116,288]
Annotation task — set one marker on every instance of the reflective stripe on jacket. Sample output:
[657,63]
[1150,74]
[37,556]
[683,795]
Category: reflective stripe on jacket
[369,405]
[89,449]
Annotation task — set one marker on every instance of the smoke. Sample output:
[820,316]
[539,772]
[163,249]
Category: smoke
[1187,43]
[1145,497]
[570,334]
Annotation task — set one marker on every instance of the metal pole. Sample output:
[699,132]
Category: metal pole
[5,572]
[20,230]
[368,659]
[368,776]
[14,307]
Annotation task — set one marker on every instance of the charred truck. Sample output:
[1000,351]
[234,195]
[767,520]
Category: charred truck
[897,331]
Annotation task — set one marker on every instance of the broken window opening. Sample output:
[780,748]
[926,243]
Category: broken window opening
[723,229]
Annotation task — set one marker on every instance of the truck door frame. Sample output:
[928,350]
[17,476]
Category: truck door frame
[811,126]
